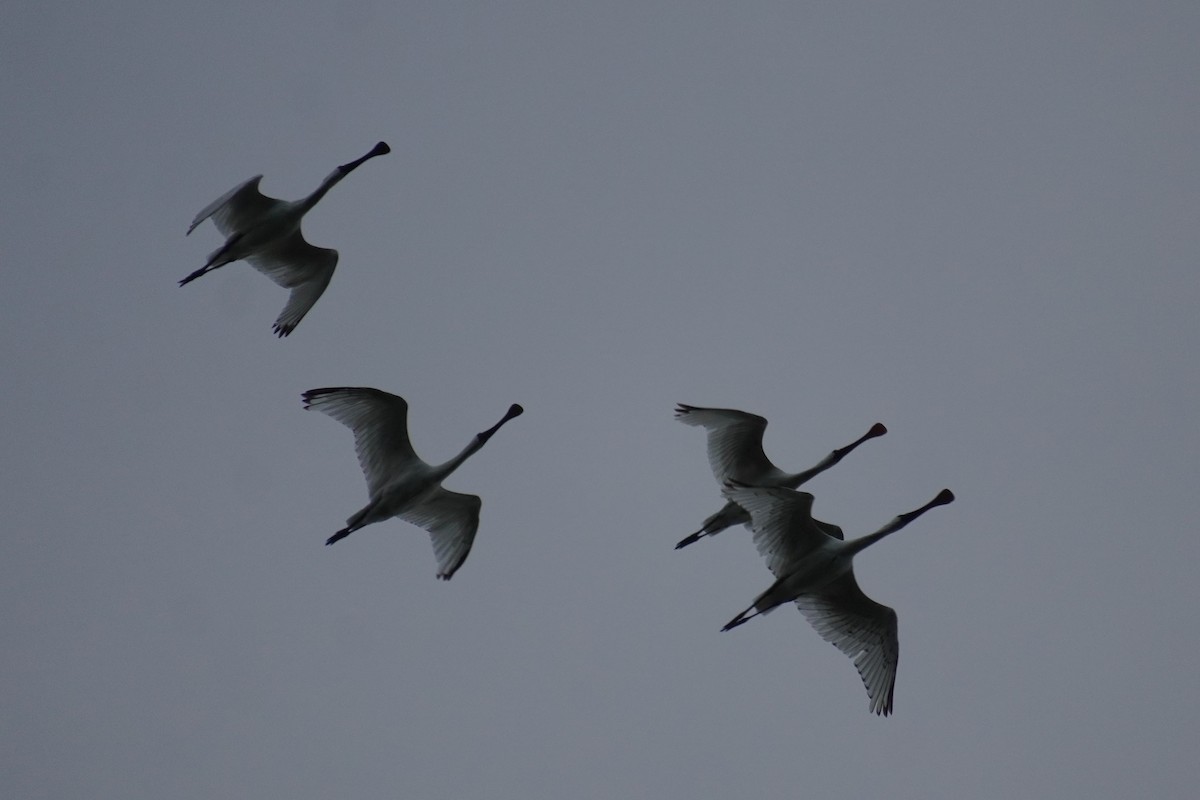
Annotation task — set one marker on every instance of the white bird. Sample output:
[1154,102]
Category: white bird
[816,570]
[735,453]
[399,483]
[266,232]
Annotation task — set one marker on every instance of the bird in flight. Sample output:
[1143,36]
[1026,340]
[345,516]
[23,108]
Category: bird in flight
[398,482]
[735,453]
[815,570]
[266,232]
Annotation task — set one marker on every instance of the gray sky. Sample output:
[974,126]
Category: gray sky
[977,225]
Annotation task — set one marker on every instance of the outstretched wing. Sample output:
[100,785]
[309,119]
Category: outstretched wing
[295,264]
[232,211]
[781,519]
[735,448]
[864,630]
[379,422]
[451,519]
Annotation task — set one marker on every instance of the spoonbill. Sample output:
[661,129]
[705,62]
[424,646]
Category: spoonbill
[735,452]
[816,570]
[266,232]
[399,483]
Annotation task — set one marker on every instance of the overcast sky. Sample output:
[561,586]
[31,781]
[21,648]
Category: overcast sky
[976,223]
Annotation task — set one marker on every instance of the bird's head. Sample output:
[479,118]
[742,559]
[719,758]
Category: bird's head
[379,149]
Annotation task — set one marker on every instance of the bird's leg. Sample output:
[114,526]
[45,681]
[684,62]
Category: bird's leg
[194,275]
[342,534]
[741,619]
[356,521]
[731,514]
[218,258]
[695,537]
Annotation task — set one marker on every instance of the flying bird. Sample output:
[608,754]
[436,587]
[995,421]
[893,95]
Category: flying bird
[399,483]
[816,570]
[735,453]
[266,232]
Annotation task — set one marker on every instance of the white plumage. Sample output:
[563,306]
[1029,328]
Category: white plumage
[266,232]
[816,570]
[735,453]
[399,483]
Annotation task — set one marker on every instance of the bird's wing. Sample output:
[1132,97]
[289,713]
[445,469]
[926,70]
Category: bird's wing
[295,264]
[451,519]
[829,529]
[734,440]
[782,523]
[232,210]
[379,422]
[864,630]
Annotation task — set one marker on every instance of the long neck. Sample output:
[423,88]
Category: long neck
[330,181]
[332,178]
[445,469]
[798,478]
[863,542]
[479,441]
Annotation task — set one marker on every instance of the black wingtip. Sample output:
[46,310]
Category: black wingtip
[315,394]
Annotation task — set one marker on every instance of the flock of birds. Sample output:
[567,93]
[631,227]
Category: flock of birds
[811,560]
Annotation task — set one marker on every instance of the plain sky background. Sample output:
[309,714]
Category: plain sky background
[974,222]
